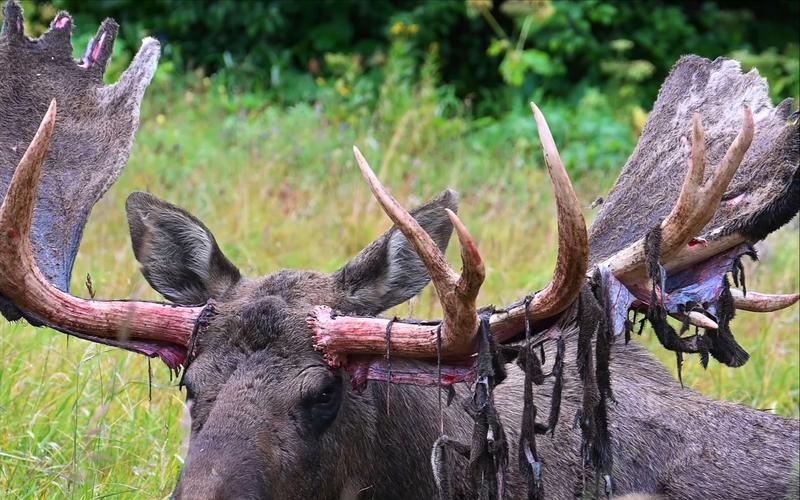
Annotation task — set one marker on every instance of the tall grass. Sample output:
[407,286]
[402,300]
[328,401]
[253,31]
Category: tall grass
[279,188]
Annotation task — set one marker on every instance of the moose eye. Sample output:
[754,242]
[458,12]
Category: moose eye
[322,405]
[325,397]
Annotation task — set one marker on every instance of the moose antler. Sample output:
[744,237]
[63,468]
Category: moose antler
[457,294]
[23,283]
[696,205]
[97,124]
[706,227]
[64,171]
[338,334]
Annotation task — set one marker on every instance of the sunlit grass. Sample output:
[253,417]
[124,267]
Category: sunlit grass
[279,189]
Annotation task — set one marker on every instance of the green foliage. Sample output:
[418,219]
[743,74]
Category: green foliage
[284,49]
[625,48]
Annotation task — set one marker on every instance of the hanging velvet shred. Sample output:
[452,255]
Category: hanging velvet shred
[488,456]
[737,269]
[702,349]
[558,384]
[655,271]
[388,356]
[488,450]
[440,466]
[587,324]
[719,343]
[439,459]
[528,458]
[656,312]
[629,324]
[604,339]
[593,416]
[723,346]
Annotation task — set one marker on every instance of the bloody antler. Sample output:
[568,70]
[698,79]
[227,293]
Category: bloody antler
[456,293]
[22,282]
[696,205]
[339,335]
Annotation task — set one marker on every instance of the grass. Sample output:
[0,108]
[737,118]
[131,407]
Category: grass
[280,189]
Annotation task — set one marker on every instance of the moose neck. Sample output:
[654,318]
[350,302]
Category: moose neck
[663,428]
[406,422]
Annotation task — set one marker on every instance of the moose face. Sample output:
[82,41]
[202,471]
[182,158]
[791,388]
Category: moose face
[270,419]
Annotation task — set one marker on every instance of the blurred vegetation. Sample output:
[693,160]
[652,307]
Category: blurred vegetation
[596,65]
[248,125]
[537,48]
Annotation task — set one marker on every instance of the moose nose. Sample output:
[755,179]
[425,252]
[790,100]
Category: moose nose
[228,470]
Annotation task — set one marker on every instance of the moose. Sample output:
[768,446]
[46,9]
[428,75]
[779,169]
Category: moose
[297,389]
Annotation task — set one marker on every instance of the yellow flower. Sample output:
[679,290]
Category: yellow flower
[412,29]
[342,88]
[398,28]
[161,119]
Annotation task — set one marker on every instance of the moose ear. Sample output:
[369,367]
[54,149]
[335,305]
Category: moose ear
[389,271]
[179,256]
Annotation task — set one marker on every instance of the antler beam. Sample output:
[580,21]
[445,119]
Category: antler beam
[339,335]
[23,283]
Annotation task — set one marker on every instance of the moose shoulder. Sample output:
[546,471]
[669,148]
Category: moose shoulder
[297,389]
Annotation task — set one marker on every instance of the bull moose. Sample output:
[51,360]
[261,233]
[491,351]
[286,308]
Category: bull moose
[298,390]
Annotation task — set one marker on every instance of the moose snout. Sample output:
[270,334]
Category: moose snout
[218,469]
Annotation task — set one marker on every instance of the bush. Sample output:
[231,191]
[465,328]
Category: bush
[493,54]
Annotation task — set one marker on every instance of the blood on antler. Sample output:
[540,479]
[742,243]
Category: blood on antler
[697,204]
[22,282]
[457,294]
[339,335]
[699,199]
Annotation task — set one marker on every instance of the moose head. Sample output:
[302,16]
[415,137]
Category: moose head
[276,368]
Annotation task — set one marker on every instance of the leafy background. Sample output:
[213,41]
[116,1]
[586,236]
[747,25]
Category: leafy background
[249,123]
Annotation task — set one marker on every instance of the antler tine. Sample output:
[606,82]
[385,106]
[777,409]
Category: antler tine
[763,302]
[573,240]
[696,204]
[697,163]
[473,272]
[442,275]
[724,173]
[134,80]
[456,294]
[13,28]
